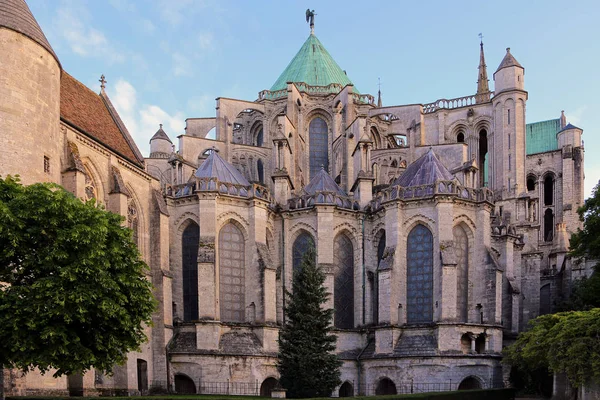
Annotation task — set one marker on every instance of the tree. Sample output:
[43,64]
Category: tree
[307,365]
[566,342]
[73,291]
[585,244]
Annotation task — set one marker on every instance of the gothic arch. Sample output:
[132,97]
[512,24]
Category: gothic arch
[345,226]
[463,244]
[223,218]
[180,223]
[419,275]
[136,219]
[456,127]
[190,243]
[97,178]
[302,239]
[296,228]
[471,382]
[483,122]
[465,219]
[232,261]
[415,220]
[343,290]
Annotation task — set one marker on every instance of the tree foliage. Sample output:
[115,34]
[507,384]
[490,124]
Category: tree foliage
[307,365]
[566,342]
[73,291]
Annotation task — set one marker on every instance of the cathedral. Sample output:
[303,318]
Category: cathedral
[442,227]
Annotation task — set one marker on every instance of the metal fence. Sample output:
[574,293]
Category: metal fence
[230,388]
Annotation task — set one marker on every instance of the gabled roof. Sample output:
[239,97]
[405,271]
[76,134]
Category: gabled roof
[94,115]
[508,61]
[160,134]
[15,15]
[322,182]
[312,65]
[216,167]
[425,171]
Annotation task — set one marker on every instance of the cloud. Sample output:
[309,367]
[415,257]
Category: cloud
[181,65]
[143,120]
[83,39]
[574,117]
[205,40]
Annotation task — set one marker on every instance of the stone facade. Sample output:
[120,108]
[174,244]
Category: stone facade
[441,235]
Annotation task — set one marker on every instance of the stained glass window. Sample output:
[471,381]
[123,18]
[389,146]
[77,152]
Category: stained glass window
[419,265]
[461,248]
[301,245]
[380,251]
[319,146]
[231,274]
[261,171]
[189,266]
[343,292]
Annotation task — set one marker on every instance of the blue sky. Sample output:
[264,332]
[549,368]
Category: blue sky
[167,60]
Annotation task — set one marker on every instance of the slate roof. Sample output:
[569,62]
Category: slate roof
[312,65]
[508,61]
[322,182]
[216,167]
[424,171]
[91,113]
[540,137]
[15,15]
[160,134]
[570,126]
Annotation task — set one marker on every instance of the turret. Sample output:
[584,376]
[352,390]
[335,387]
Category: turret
[507,145]
[30,140]
[510,75]
[160,144]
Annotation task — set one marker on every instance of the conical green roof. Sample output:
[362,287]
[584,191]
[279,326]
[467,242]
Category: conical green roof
[312,65]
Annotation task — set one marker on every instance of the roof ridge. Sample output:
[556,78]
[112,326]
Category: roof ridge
[121,125]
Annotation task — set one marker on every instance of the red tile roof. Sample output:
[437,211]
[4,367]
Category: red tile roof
[89,112]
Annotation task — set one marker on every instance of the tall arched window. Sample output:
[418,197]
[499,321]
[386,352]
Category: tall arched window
[90,186]
[231,274]
[380,252]
[548,225]
[483,162]
[259,138]
[419,279]
[189,267]
[319,146]
[133,220]
[548,190]
[461,247]
[343,289]
[260,169]
[301,245]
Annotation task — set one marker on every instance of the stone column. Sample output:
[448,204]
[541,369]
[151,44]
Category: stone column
[208,283]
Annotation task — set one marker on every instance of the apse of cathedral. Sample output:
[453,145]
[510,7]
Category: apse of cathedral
[442,227]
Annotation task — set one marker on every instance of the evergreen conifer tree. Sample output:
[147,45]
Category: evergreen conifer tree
[307,364]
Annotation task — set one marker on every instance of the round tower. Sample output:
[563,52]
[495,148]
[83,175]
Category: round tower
[160,144]
[30,140]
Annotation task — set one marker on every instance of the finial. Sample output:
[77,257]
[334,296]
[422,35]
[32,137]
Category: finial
[310,18]
[480,38]
[508,49]
[160,126]
[102,82]
[379,104]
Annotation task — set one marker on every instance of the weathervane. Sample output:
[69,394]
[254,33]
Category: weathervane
[310,16]
[481,37]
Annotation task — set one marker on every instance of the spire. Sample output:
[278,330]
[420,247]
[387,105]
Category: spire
[379,104]
[483,88]
[563,119]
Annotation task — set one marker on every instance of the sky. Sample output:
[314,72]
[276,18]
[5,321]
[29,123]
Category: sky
[168,60]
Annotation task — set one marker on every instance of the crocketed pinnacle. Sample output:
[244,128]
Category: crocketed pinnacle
[483,87]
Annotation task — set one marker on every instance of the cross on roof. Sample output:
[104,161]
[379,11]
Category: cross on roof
[102,82]
[480,37]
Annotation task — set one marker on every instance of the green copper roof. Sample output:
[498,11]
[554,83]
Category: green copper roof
[541,136]
[312,65]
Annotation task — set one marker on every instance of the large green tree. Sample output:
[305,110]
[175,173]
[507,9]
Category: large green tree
[307,364]
[73,291]
[569,342]
[566,342]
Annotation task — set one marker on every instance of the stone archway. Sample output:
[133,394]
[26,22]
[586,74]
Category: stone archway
[385,386]
[346,390]
[470,383]
[267,387]
[184,384]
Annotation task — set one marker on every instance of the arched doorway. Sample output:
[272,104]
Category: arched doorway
[346,390]
[184,384]
[267,387]
[385,386]
[469,383]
